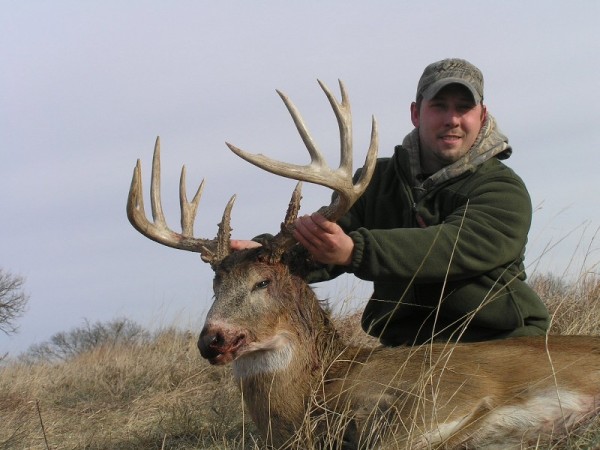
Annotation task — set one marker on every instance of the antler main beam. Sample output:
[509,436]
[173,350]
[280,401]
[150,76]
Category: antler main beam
[318,172]
[211,250]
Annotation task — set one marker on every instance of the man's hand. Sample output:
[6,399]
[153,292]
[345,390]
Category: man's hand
[325,240]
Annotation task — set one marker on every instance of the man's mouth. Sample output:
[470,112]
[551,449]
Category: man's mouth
[450,138]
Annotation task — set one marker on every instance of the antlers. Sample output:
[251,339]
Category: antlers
[214,250]
[211,250]
[340,179]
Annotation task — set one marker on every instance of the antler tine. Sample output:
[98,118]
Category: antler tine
[347,191]
[188,209]
[220,247]
[316,156]
[343,115]
[285,238]
[211,250]
[157,212]
[318,172]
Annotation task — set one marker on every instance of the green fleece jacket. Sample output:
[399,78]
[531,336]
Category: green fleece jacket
[446,254]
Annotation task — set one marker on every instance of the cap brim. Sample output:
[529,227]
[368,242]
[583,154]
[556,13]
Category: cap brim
[436,87]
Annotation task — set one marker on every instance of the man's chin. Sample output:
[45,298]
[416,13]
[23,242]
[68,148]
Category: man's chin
[449,156]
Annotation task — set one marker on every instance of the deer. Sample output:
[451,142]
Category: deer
[304,387]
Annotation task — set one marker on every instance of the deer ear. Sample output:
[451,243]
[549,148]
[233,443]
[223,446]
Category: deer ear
[300,262]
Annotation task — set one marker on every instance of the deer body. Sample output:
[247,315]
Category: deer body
[294,371]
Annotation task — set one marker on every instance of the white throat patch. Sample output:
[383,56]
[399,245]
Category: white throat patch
[266,357]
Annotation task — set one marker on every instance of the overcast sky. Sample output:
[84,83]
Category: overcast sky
[85,88]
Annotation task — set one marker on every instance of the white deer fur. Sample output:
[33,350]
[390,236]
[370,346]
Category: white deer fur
[271,356]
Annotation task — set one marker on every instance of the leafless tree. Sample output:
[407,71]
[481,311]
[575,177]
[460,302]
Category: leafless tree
[13,301]
[65,345]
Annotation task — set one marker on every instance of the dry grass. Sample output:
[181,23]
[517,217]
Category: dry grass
[163,395]
[125,397]
[575,307]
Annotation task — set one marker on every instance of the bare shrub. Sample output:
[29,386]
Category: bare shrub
[68,344]
[13,301]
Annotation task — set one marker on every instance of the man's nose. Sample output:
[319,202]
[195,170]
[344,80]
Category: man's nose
[452,117]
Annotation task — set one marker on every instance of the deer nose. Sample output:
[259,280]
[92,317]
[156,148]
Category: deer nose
[210,343]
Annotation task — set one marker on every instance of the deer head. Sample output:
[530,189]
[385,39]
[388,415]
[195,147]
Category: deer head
[222,341]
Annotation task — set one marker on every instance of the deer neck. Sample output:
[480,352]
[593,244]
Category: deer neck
[277,385]
[277,401]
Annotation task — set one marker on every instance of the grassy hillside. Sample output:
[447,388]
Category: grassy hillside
[145,396]
[160,394]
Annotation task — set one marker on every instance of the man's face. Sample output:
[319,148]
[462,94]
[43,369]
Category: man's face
[448,126]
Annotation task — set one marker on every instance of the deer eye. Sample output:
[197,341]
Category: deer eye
[261,285]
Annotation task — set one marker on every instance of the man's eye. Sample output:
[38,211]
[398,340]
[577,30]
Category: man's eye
[465,107]
[261,284]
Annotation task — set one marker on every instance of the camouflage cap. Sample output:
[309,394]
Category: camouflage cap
[448,71]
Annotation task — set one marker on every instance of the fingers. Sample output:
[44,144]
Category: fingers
[324,224]
[325,240]
[316,226]
[309,232]
[240,244]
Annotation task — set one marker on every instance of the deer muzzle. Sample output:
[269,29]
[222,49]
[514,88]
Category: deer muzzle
[219,345]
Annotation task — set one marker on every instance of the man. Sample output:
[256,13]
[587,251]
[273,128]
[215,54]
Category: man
[441,229]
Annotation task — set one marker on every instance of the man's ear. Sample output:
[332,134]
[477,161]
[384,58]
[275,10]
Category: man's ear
[483,114]
[414,114]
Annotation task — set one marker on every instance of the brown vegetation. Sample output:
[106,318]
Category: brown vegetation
[161,394]
[134,396]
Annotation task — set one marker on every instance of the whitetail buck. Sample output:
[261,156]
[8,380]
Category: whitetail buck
[305,388]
